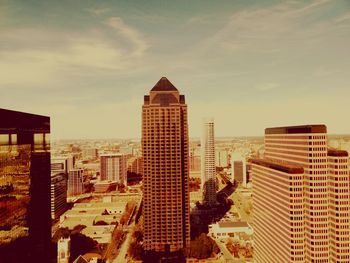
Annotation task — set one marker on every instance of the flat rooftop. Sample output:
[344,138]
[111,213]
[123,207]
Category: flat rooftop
[232,224]
[286,168]
[337,153]
[17,121]
[313,128]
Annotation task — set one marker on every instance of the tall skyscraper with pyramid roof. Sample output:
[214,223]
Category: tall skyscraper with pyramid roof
[166,170]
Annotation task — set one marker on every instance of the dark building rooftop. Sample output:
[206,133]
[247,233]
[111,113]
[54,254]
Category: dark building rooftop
[286,168]
[314,128]
[164,85]
[21,121]
[337,153]
[233,224]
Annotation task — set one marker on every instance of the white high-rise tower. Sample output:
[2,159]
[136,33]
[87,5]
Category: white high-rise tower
[208,163]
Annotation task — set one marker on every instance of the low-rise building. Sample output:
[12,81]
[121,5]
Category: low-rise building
[224,229]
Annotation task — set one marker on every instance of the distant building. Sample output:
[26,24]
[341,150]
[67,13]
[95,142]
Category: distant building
[105,186]
[239,171]
[75,182]
[301,194]
[249,171]
[89,153]
[135,170]
[63,250]
[135,165]
[59,165]
[127,150]
[195,160]
[166,204]
[25,221]
[221,158]
[113,167]
[208,170]
[62,164]
[58,195]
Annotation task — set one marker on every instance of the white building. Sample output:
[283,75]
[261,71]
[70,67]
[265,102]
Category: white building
[221,157]
[114,167]
[208,163]
[63,250]
[224,229]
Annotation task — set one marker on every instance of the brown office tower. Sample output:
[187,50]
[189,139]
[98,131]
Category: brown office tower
[166,170]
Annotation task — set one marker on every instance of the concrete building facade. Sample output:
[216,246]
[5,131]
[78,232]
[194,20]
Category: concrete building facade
[316,200]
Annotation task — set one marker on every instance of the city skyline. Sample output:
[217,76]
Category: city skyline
[262,64]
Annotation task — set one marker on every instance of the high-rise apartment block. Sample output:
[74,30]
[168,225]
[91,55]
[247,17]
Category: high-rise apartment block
[114,167]
[208,179]
[166,170]
[25,222]
[301,198]
[58,194]
[75,182]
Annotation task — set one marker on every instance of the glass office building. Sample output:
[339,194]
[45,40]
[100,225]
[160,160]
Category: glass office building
[25,223]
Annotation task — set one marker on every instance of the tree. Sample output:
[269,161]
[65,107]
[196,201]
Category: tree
[78,229]
[135,249]
[80,244]
[61,233]
[202,247]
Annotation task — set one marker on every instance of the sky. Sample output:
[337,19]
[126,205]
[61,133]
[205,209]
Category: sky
[248,64]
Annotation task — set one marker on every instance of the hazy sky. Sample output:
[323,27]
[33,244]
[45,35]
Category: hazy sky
[248,64]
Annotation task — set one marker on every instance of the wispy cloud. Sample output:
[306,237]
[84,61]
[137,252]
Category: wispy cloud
[49,56]
[133,36]
[97,11]
[269,26]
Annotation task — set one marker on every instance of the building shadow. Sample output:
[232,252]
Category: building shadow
[202,215]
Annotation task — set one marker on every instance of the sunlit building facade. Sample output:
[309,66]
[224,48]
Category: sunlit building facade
[325,195]
[166,170]
[339,206]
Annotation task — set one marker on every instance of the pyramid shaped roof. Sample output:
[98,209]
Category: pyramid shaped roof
[164,85]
